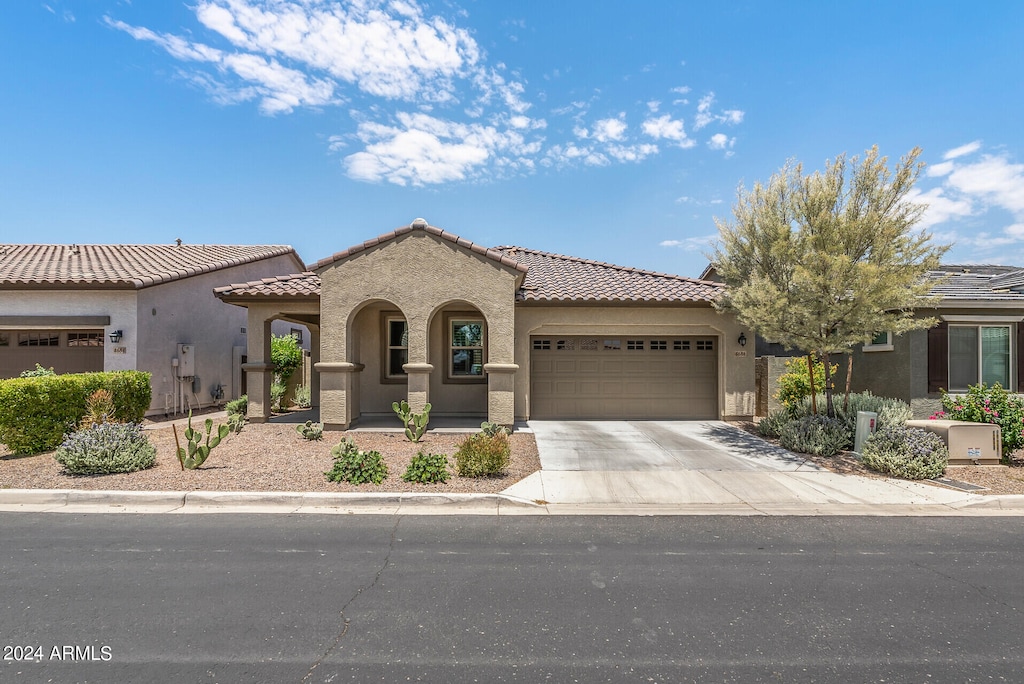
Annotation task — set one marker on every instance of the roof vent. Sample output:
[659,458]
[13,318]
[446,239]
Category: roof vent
[420,223]
[177,241]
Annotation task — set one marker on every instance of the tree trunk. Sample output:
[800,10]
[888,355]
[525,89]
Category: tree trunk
[849,376]
[830,409]
[810,375]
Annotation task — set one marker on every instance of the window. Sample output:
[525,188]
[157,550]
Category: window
[85,339]
[635,345]
[466,348]
[880,342]
[979,353]
[705,345]
[39,339]
[659,345]
[297,334]
[612,345]
[396,332]
[5,339]
[542,345]
[681,345]
[567,345]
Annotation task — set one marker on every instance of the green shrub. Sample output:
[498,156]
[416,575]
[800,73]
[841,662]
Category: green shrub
[772,424]
[286,355]
[356,466]
[910,453]
[890,411]
[37,372]
[427,468]
[277,392]
[303,396]
[483,455]
[819,435]
[239,406]
[106,448]
[36,412]
[795,384]
[991,404]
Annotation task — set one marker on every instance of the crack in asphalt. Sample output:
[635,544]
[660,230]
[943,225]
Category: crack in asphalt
[346,621]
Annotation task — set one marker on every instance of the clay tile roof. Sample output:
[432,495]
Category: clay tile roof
[121,266]
[295,285]
[421,225]
[555,277]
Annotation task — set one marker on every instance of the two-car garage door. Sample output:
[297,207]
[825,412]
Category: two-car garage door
[617,377]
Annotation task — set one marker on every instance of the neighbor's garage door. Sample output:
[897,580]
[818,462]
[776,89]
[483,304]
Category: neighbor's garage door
[624,378]
[66,351]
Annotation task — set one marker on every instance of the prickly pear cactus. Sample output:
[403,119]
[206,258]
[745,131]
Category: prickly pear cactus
[415,423]
[198,450]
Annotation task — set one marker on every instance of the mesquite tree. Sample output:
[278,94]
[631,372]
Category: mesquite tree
[827,261]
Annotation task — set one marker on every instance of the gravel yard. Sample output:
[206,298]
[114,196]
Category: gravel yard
[272,457]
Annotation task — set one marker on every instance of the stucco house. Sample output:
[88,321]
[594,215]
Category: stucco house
[505,333]
[979,338]
[81,308]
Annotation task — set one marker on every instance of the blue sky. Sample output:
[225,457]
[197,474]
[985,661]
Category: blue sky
[607,130]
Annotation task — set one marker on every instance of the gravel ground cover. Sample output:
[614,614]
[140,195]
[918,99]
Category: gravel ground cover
[273,457]
[997,479]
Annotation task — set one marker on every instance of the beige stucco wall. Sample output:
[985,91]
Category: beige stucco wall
[420,275]
[735,363]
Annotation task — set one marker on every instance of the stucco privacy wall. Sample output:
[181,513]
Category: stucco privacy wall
[185,311]
[735,363]
[118,304]
[418,274]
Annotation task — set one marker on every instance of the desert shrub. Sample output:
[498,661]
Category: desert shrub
[890,411]
[37,372]
[239,406]
[303,396]
[907,452]
[356,466]
[427,468]
[795,384]
[36,412]
[483,455]
[106,448]
[988,404]
[99,408]
[310,431]
[277,392]
[772,424]
[819,435]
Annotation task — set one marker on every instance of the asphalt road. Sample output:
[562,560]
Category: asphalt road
[275,598]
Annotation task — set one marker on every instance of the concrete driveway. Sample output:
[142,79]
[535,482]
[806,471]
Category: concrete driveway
[636,446]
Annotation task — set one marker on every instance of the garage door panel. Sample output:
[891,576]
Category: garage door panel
[588,380]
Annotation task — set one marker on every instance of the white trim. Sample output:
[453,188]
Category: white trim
[980,319]
[884,347]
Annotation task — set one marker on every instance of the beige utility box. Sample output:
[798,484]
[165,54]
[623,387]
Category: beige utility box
[977,443]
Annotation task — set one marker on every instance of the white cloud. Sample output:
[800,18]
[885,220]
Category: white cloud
[941,169]
[994,180]
[969,148]
[425,104]
[941,208]
[706,116]
[720,141]
[691,244]
[667,128]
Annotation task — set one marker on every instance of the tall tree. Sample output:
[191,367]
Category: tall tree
[827,261]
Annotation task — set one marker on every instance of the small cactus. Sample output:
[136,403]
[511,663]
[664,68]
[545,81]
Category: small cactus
[415,423]
[311,431]
[197,453]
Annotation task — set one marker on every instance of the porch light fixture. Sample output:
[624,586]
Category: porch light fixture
[742,340]
[115,336]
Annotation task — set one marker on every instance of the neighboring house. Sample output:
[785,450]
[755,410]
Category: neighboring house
[506,333]
[81,308]
[979,338]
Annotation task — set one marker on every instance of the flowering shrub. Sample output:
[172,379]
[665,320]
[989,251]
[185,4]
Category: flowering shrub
[795,383]
[991,404]
[907,452]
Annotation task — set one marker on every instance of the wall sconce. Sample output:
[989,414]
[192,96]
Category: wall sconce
[115,336]
[742,340]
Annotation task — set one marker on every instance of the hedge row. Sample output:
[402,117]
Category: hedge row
[36,413]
